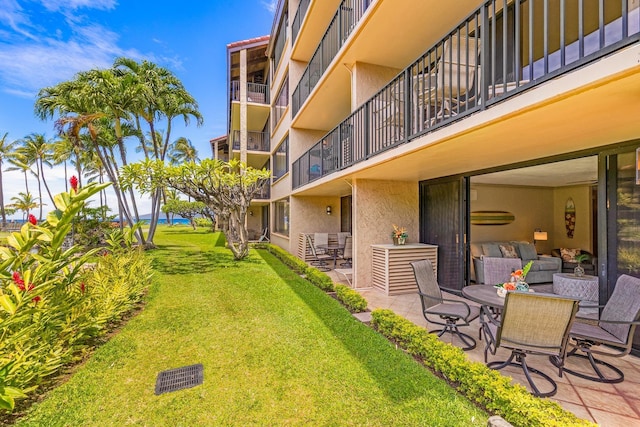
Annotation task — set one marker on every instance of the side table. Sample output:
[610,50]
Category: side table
[581,287]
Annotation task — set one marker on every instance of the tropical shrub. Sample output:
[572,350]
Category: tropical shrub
[475,380]
[54,300]
[351,298]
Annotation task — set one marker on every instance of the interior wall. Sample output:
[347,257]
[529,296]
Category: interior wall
[531,206]
[377,205]
[582,235]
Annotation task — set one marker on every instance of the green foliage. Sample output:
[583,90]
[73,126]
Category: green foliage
[480,384]
[203,222]
[52,304]
[315,276]
[125,239]
[351,298]
[91,226]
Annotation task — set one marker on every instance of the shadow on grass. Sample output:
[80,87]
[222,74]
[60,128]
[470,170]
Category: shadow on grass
[394,371]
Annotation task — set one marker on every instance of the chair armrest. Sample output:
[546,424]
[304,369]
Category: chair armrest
[485,310]
[455,301]
[456,292]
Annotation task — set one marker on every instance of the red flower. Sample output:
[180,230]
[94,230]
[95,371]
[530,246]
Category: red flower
[74,183]
[21,286]
[36,299]
[82,287]
[16,278]
[31,286]
[32,219]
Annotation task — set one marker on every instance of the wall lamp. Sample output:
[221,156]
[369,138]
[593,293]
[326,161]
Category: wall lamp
[328,210]
[250,213]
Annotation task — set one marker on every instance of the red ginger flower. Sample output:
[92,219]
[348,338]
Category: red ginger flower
[82,287]
[32,219]
[74,183]
[18,280]
[36,299]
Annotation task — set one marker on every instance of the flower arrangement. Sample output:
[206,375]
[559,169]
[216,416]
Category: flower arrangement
[399,232]
[517,281]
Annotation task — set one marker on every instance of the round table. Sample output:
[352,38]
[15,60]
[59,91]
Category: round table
[332,248]
[484,295]
[581,287]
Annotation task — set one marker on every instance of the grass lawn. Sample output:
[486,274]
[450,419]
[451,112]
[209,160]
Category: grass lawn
[275,349]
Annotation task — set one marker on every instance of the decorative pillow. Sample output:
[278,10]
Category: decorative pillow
[491,249]
[569,255]
[528,252]
[508,251]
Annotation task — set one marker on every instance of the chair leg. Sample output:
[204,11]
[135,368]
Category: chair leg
[600,376]
[522,363]
[451,327]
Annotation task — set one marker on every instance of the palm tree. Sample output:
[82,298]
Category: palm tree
[17,159]
[6,148]
[25,202]
[182,151]
[37,151]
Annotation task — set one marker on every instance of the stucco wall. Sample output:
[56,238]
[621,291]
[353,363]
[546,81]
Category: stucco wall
[377,205]
[367,79]
[308,215]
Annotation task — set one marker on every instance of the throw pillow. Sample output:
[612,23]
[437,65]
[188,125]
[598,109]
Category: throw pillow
[491,249]
[528,252]
[569,255]
[508,251]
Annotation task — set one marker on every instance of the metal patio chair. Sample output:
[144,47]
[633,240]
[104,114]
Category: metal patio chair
[265,235]
[347,253]
[530,323]
[453,313]
[319,260]
[615,329]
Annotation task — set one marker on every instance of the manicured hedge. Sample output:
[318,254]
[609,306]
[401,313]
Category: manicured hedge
[315,276]
[480,384]
[351,298]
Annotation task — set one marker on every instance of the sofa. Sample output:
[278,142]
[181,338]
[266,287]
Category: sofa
[569,262]
[493,262]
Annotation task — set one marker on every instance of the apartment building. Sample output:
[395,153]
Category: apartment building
[249,114]
[432,115]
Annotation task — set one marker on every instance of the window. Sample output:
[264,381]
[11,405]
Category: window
[281,220]
[282,101]
[280,160]
[281,37]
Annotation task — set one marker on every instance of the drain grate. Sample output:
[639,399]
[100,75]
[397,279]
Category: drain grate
[179,378]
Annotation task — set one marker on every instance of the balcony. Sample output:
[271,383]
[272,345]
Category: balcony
[297,20]
[256,92]
[494,54]
[344,21]
[256,141]
[264,194]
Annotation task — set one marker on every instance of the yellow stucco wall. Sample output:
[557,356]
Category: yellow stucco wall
[377,205]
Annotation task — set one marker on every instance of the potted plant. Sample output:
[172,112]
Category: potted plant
[399,235]
[579,269]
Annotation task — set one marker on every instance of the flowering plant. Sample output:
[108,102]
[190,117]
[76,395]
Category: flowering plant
[399,232]
[517,280]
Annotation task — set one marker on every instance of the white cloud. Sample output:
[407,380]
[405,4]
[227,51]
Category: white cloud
[270,5]
[56,5]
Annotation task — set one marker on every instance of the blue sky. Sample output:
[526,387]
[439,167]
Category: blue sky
[44,42]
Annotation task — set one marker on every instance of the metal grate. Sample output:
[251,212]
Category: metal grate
[179,378]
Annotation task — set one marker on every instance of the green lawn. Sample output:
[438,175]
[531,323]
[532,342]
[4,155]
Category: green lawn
[275,350]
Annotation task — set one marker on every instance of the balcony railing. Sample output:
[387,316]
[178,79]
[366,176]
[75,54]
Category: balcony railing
[256,141]
[499,51]
[348,14]
[256,92]
[265,192]
[297,20]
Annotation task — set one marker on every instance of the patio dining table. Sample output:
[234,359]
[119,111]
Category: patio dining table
[483,295]
[332,248]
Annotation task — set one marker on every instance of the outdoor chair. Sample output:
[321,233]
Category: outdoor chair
[320,239]
[530,323]
[435,306]
[615,329]
[342,238]
[347,253]
[318,260]
[265,235]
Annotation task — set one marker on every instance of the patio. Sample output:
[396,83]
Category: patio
[604,404]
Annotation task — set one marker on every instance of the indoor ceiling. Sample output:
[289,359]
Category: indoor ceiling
[570,172]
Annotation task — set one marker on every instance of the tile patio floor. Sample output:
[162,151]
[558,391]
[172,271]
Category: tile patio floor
[608,405]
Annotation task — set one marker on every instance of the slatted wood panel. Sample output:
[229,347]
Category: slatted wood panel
[391,268]
[304,251]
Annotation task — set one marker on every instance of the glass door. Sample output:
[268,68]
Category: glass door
[443,222]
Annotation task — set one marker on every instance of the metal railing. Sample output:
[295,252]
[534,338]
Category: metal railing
[343,22]
[498,51]
[256,141]
[297,20]
[256,92]
[265,192]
